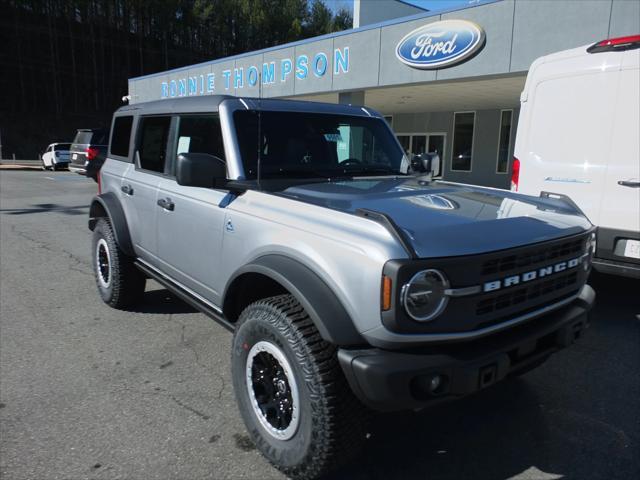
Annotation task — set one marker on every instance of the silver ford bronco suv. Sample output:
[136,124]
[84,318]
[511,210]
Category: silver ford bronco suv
[352,281]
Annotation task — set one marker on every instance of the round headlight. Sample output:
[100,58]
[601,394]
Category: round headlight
[424,296]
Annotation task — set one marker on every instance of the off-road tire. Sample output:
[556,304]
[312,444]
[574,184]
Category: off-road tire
[126,283]
[332,422]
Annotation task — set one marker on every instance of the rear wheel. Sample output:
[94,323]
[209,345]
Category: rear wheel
[119,282]
[291,392]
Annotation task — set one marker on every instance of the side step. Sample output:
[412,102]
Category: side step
[186,295]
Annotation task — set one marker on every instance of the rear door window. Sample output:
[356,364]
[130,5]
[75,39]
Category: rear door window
[152,144]
[83,137]
[121,136]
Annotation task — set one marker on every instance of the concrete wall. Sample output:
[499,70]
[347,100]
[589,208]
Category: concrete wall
[485,143]
[366,12]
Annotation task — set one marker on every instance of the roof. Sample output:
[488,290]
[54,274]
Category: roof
[211,103]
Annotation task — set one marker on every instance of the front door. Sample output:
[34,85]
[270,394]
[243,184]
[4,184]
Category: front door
[190,231]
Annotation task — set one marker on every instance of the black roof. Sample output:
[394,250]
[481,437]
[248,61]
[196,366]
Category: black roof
[211,103]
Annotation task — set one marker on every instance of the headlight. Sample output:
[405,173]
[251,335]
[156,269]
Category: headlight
[424,296]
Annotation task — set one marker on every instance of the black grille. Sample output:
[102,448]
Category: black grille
[527,294]
[473,312]
[540,255]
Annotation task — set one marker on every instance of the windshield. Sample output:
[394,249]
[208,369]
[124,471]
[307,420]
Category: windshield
[300,144]
[62,147]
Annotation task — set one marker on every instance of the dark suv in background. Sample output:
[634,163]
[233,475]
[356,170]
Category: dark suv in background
[88,151]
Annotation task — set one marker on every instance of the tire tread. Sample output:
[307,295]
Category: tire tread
[340,420]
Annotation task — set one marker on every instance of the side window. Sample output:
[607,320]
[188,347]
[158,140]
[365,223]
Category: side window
[200,134]
[120,136]
[152,146]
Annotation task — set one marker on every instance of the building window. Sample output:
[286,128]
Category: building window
[463,124]
[504,141]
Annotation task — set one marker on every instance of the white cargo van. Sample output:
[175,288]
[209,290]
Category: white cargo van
[579,135]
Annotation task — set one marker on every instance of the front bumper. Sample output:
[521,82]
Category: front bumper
[399,380]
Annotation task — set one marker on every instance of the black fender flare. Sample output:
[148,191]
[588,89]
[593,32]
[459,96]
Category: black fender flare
[321,304]
[107,204]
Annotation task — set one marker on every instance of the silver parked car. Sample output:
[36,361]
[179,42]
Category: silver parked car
[351,280]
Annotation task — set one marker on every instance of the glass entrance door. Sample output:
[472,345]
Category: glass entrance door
[436,144]
[417,143]
[413,144]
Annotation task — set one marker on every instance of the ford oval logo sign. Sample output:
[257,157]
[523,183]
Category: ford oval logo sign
[440,44]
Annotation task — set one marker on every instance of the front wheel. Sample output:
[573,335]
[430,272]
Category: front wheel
[291,392]
[119,282]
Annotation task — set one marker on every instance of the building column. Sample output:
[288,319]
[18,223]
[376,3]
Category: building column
[351,98]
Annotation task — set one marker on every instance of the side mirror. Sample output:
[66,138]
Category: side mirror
[200,170]
[426,163]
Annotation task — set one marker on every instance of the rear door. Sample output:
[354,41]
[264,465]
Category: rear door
[140,184]
[620,208]
[568,134]
[190,231]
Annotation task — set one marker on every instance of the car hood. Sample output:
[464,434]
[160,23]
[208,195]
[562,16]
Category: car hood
[443,219]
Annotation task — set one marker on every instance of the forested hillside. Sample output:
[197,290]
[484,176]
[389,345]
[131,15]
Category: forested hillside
[64,64]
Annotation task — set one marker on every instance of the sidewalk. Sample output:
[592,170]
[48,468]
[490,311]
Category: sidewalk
[20,164]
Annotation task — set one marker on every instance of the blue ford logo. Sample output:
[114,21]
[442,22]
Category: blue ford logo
[440,44]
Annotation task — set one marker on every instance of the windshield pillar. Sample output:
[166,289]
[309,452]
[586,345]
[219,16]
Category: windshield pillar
[235,169]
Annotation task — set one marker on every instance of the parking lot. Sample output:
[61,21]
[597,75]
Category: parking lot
[91,392]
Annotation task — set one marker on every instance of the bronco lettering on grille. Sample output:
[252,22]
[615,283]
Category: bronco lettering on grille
[531,275]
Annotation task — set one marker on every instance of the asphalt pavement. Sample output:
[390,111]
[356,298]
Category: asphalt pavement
[91,392]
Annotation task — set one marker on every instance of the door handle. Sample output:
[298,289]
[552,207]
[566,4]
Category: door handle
[166,203]
[127,189]
[628,183]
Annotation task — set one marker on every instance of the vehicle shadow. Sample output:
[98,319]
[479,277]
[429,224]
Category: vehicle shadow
[161,301]
[493,435]
[575,417]
[47,208]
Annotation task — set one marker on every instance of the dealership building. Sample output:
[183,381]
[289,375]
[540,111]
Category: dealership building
[447,82]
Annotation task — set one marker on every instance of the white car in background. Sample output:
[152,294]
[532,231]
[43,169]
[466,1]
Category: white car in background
[56,156]
[579,136]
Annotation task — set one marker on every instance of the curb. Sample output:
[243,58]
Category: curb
[19,167]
